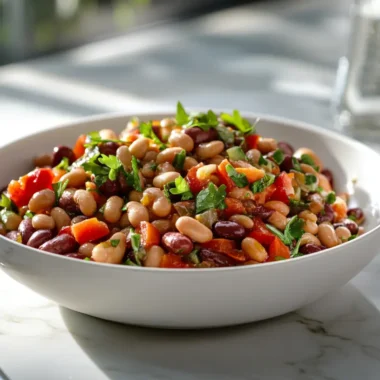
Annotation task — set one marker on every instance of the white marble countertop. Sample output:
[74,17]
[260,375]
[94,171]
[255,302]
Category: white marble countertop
[258,58]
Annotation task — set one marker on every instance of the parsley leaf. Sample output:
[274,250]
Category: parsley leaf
[146,130]
[263,161]
[179,159]
[87,259]
[352,217]
[29,215]
[306,159]
[182,117]
[239,179]
[113,163]
[298,206]
[293,230]
[204,121]
[138,251]
[211,198]
[181,187]
[241,124]
[295,251]
[310,179]
[135,175]
[225,134]
[352,237]
[331,198]
[94,168]
[94,139]
[59,188]
[6,203]
[64,164]
[263,183]
[278,156]
[296,165]
[115,242]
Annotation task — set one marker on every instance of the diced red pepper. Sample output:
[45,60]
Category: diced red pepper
[89,230]
[149,235]
[22,190]
[172,261]
[224,177]
[277,249]
[252,141]
[66,231]
[237,255]
[220,245]
[195,184]
[234,206]
[261,233]
[79,146]
[284,188]
[265,195]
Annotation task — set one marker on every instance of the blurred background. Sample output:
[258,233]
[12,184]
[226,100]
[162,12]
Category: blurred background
[64,59]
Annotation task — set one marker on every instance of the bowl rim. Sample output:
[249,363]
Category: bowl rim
[166,112]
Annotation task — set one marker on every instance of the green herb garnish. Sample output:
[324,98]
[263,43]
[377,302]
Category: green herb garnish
[114,165]
[352,217]
[179,187]
[95,139]
[146,130]
[352,237]
[64,164]
[59,188]
[6,203]
[278,156]
[225,134]
[211,198]
[202,120]
[193,256]
[86,259]
[115,242]
[29,215]
[182,117]
[306,159]
[236,120]
[134,178]
[138,251]
[179,159]
[310,179]
[296,165]
[331,198]
[263,183]
[262,161]
[239,179]
[293,230]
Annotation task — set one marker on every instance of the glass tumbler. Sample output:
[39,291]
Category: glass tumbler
[357,89]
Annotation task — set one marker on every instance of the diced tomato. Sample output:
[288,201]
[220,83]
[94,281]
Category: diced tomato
[65,231]
[79,146]
[237,255]
[89,230]
[278,249]
[265,195]
[261,233]
[252,141]
[172,261]
[234,206]
[220,245]
[195,184]
[284,188]
[224,177]
[253,174]
[22,190]
[149,235]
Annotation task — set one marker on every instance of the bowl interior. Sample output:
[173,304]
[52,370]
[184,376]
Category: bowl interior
[354,165]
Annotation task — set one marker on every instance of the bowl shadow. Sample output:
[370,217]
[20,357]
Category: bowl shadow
[317,341]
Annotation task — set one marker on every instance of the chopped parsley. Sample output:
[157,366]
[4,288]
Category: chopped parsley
[146,130]
[94,139]
[178,187]
[331,198]
[352,217]
[59,188]
[182,117]
[6,203]
[239,179]
[352,237]
[202,120]
[64,164]
[87,259]
[263,161]
[225,134]
[278,156]
[296,165]
[115,242]
[114,165]
[236,120]
[134,178]
[263,183]
[179,159]
[211,198]
[310,179]
[29,215]
[293,230]
[306,159]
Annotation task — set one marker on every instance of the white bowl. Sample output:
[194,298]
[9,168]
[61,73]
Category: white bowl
[198,298]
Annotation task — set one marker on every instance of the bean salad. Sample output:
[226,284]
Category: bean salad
[198,190]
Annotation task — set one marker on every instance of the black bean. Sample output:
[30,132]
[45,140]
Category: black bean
[326,215]
[61,152]
[286,148]
[200,136]
[109,148]
[39,237]
[311,248]
[328,174]
[26,230]
[229,230]
[177,243]
[217,258]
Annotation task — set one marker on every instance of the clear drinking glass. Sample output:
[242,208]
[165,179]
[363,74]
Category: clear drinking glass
[357,96]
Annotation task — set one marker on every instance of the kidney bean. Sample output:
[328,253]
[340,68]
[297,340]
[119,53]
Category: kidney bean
[39,237]
[26,230]
[218,259]
[286,148]
[109,148]
[110,188]
[60,245]
[75,256]
[60,152]
[311,248]
[328,174]
[124,187]
[14,235]
[287,164]
[78,219]
[350,224]
[327,215]
[357,213]
[229,230]
[262,212]
[200,136]
[177,243]
[67,201]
